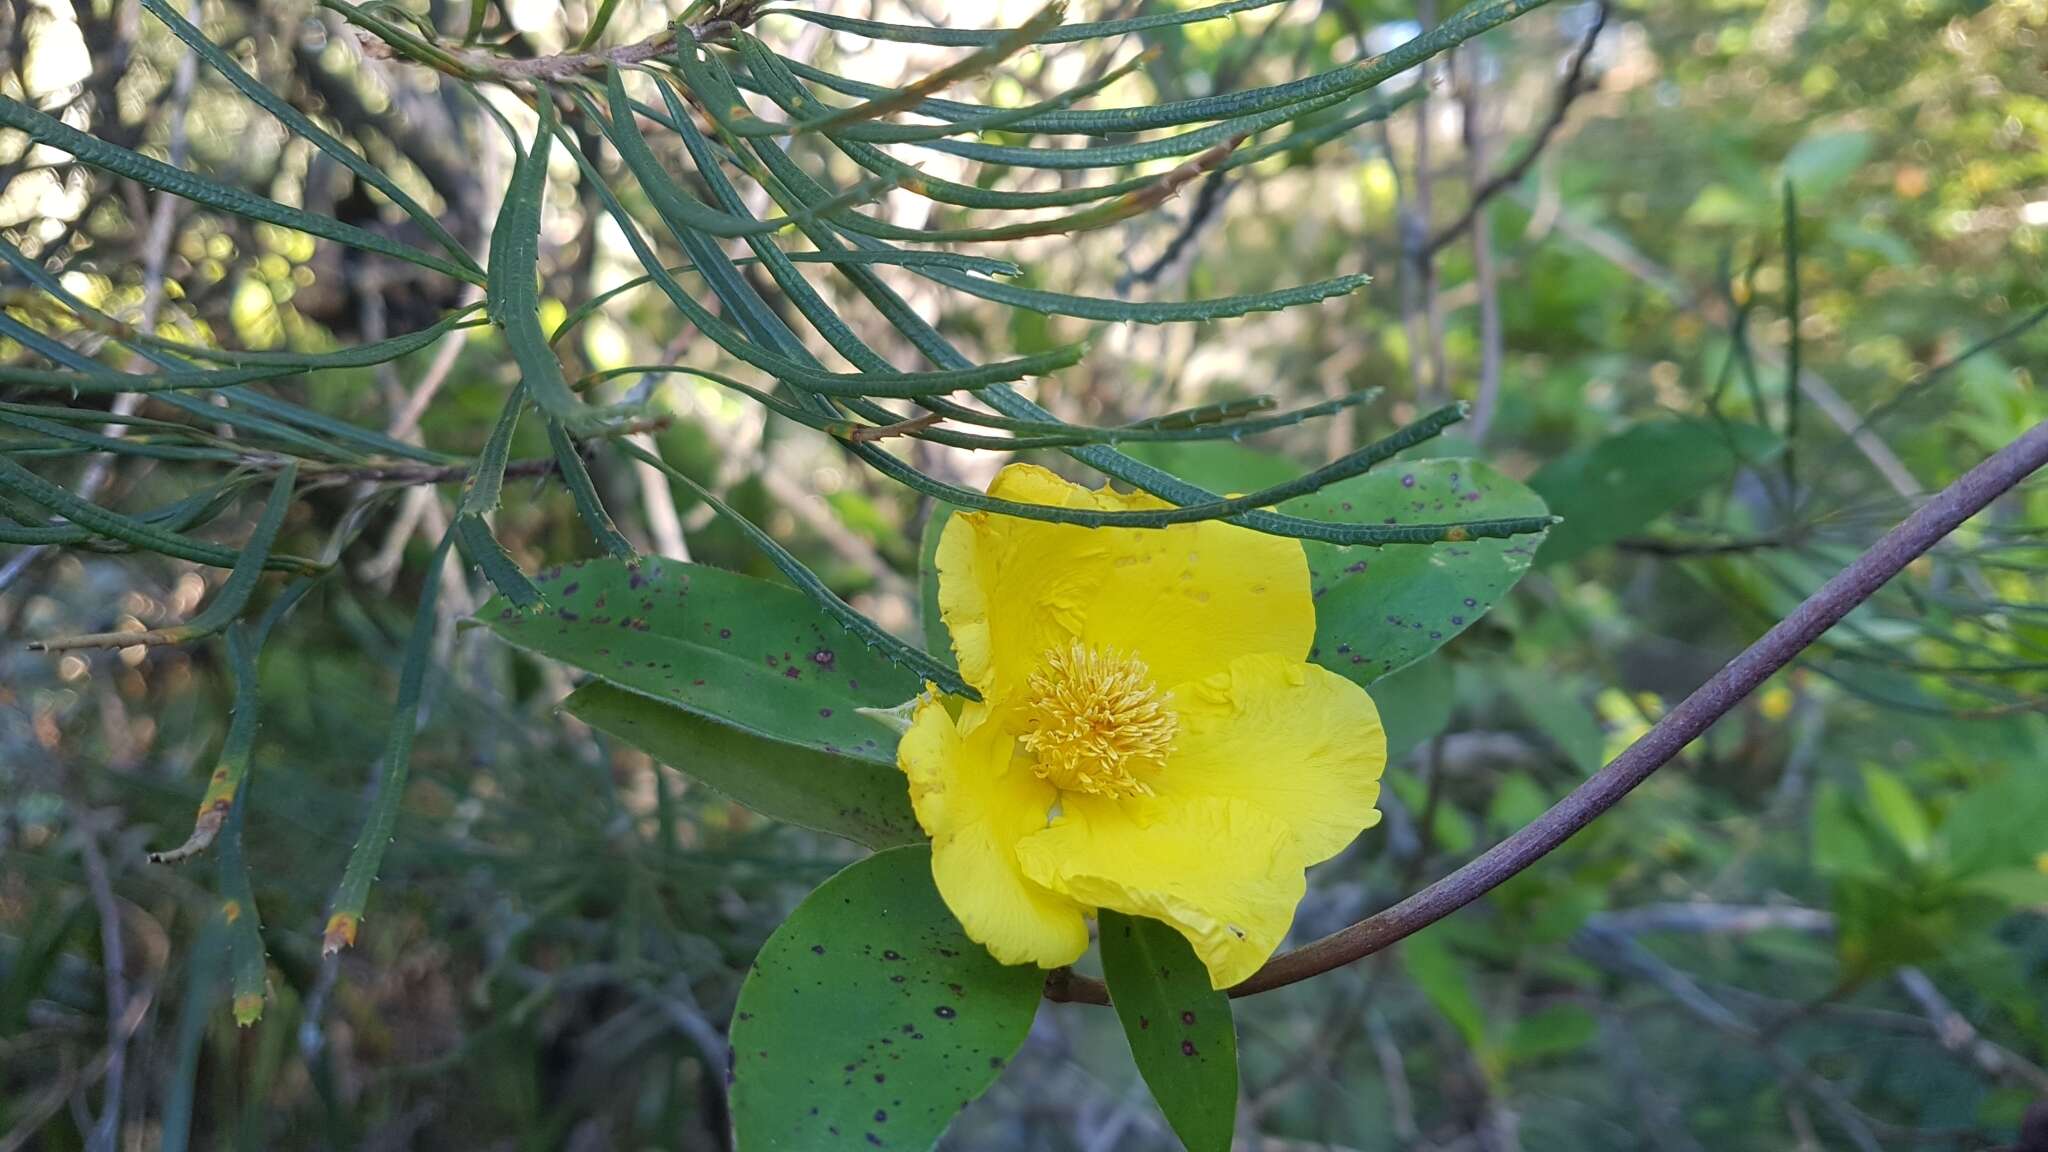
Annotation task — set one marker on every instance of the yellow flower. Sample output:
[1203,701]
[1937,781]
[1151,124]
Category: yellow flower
[1150,739]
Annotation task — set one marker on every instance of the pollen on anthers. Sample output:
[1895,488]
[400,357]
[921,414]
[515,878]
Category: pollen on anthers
[1096,722]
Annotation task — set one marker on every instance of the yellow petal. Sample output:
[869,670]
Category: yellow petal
[1297,741]
[976,803]
[1010,589]
[1223,873]
[1185,599]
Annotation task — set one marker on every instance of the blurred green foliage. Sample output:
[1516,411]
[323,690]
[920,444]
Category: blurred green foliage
[1822,927]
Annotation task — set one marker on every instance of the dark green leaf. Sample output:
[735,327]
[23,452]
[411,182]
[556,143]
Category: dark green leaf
[1145,311]
[202,962]
[1999,823]
[1005,45]
[1367,73]
[147,536]
[1378,610]
[910,659]
[583,492]
[1445,980]
[1179,1027]
[513,296]
[759,656]
[1621,484]
[480,492]
[869,1019]
[865,802]
[1897,811]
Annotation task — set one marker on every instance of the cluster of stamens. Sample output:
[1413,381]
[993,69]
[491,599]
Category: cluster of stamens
[1096,722]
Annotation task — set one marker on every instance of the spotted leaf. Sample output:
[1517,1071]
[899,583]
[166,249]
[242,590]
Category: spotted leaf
[858,799]
[869,1019]
[757,656]
[1380,609]
[1179,1028]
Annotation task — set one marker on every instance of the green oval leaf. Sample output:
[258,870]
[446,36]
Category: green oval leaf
[1998,824]
[858,799]
[758,656]
[1614,487]
[1179,1027]
[1381,609]
[869,1019]
[1824,161]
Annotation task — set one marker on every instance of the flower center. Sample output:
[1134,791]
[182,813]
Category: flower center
[1096,721]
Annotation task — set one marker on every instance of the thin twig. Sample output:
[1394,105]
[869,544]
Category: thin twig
[114,957]
[1964,498]
[1574,85]
[425,473]
[657,500]
[1215,187]
[1394,1075]
[817,515]
[865,434]
[1958,1035]
[1208,198]
[408,416]
[1660,546]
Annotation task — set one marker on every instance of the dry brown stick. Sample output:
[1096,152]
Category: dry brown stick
[1953,505]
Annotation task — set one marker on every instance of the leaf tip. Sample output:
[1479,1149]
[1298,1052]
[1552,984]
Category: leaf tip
[340,934]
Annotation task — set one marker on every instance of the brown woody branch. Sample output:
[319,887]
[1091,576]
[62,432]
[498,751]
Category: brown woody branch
[1850,587]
